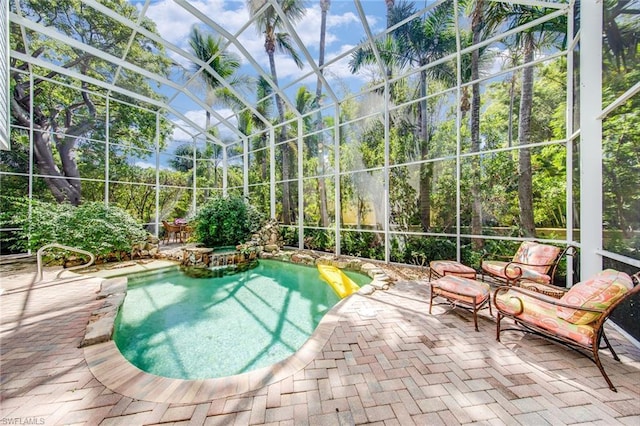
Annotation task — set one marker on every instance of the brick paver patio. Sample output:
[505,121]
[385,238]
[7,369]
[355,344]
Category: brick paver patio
[387,362]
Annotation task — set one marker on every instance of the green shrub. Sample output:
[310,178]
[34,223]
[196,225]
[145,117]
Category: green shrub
[289,235]
[319,239]
[225,221]
[99,229]
[423,250]
[363,244]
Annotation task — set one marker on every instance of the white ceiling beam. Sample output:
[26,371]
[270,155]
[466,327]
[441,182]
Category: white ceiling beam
[206,20]
[55,35]
[310,60]
[108,86]
[143,11]
[370,38]
[155,37]
[535,3]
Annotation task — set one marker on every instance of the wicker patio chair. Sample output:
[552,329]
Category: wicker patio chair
[171,230]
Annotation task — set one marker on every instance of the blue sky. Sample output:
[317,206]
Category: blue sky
[344,31]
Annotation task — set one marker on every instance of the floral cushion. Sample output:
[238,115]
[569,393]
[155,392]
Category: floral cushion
[599,292]
[542,314]
[532,253]
[499,269]
[459,288]
[451,267]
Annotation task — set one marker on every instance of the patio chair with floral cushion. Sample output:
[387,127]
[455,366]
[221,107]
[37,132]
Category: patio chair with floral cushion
[533,266]
[577,319]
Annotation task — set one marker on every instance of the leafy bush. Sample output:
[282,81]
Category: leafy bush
[423,250]
[94,227]
[363,244]
[289,235]
[225,221]
[319,239]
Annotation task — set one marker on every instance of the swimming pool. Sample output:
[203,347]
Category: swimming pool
[180,327]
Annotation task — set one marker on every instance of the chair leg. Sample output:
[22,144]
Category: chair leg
[596,359]
[615,356]
[475,315]
[430,298]
[498,319]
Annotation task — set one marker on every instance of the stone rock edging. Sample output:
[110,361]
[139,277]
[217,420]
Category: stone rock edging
[102,320]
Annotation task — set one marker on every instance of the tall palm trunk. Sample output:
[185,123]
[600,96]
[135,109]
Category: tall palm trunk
[426,169]
[322,189]
[512,97]
[207,167]
[286,204]
[390,4]
[525,174]
[476,206]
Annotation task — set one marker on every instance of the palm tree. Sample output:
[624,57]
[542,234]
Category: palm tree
[269,23]
[529,40]
[225,64]
[621,27]
[416,44]
[322,190]
[476,203]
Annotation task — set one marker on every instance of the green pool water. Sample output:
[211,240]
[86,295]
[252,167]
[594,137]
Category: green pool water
[189,328]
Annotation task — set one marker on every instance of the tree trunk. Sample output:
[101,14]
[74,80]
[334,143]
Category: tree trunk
[426,169]
[476,206]
[207,168]
[322,190]
[64,185]
[286,206]
[263,160]
[525,173]
[64,190]
[512,96]
[390,4]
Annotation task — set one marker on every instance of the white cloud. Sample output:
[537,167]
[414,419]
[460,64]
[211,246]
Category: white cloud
[147,165]
[199,117]
[174,23]
[308,28]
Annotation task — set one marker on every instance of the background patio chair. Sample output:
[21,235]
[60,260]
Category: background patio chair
[577,319]
[171,230]
[533,263]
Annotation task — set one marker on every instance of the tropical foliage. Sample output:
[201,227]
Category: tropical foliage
[94,227]
[225,221]
[64,116]
[509,179]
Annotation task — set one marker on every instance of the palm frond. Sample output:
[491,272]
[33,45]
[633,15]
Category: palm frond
[284,45]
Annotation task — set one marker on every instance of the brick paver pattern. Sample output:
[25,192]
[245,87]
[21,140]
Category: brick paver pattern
[388,362]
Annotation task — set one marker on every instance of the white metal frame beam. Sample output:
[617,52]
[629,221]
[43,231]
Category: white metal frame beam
[208,21]
[55,35]
[591,138]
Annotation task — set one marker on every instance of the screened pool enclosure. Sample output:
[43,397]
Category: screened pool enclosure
[397,131]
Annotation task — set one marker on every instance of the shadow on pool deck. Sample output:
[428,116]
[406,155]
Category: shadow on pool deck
[385,359]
